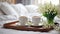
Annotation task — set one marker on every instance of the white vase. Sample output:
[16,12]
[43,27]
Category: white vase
[23,20]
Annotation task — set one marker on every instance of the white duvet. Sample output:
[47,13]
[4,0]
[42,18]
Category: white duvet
[11,31]
[9,18]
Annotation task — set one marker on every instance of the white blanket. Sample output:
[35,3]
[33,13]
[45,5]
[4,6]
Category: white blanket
[11,31]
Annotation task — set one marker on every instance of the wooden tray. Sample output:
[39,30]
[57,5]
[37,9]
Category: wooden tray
[26,28]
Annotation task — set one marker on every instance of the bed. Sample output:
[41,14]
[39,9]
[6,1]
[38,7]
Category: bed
[10,17]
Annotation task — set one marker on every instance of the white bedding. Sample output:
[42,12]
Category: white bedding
[11,31]
[6,19]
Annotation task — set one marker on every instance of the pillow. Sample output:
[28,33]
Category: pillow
[8,9]
[23,10]
[1,11]
[17,9]
[32,8]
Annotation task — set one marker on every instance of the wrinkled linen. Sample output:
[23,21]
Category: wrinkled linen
[8,18]
[11,31]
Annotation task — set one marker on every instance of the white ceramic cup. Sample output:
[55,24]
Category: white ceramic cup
[23,20]
[36,20]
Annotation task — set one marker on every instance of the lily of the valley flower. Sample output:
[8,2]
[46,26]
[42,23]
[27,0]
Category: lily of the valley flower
[49,11]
